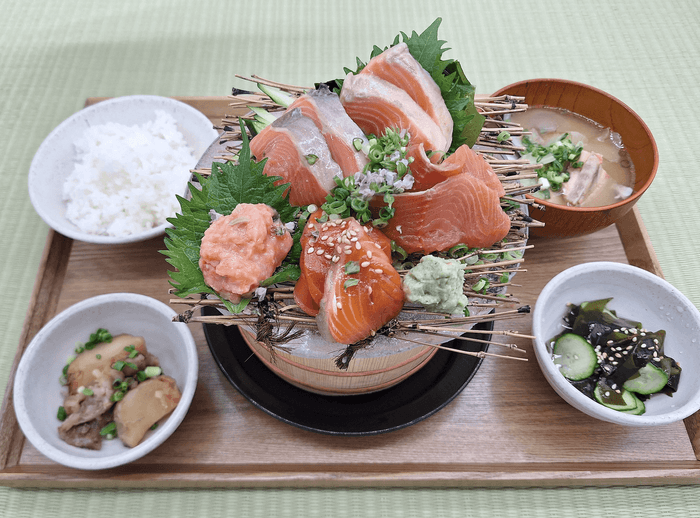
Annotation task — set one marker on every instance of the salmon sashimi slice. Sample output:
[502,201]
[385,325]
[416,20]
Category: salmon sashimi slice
[362,291]
[323,243]
[464,160]
[296,151]
[375,105]
[397,66]
[461,209]
[341,133]
[303,298]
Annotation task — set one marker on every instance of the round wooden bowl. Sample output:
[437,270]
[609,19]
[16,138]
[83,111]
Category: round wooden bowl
[563,221]
[321,375]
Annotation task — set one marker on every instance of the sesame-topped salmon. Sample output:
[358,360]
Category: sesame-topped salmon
[323,243]
[460,209]
[375,105]
[426,174]
[397,66]
[297,151]
[362,291]
[342,135]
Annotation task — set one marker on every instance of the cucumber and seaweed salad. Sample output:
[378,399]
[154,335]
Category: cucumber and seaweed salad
[613,360]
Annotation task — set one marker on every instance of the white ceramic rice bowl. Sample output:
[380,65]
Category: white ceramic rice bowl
[38,393]
[55,158]
[637,295]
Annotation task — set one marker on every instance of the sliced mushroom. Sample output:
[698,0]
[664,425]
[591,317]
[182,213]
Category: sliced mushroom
[144,406]
[91,365]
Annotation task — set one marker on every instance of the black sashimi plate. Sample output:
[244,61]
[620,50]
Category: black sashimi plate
[408,402]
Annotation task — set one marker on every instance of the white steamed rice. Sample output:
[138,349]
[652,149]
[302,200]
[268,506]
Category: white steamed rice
[126,177]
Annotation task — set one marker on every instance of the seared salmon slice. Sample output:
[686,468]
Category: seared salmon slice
[397,66]
[460,209]
[297,151]
[324,243]
[362,291]
[341,133]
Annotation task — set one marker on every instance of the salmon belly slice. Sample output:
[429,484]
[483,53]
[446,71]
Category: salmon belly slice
[362,292]
[324,108]
[426,174]
[397,66]
[297,152]
[321,242]
[461,209]
[375,105]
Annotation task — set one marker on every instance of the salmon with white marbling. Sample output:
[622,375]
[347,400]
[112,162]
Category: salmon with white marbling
[397,66]
[375,105]
[297,152]
[342,135]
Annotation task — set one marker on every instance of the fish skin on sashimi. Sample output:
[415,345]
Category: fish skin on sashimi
[324,108]
[461,209]
[464,160]
[350,313]
[397,66]
[325,237]
[286,143]
[375,105]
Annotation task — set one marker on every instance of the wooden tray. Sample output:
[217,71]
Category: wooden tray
[507,428]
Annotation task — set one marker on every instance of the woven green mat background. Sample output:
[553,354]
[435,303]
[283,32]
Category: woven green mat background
[55,54]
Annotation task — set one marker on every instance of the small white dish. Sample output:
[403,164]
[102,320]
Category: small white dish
[55,158]
[637,295]
[38,393]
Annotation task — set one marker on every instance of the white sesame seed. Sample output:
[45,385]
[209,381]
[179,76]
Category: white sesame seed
[358,245]
[378,270]
[348,252]
[369,254]
[634,339]
[328,256]
[310,250]
[365,264]
[353,239]
[609,342]
[335,259]
[618,355]
[319,252]
[324,237]
[338,305]
[625,352]
[312,226]
[614,363]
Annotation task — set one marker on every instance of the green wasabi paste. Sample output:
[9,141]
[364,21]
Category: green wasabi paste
[437,284]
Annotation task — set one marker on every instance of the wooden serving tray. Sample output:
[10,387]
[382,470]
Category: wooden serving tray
[507,428]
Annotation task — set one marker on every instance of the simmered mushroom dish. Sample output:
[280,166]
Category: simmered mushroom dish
[116,388]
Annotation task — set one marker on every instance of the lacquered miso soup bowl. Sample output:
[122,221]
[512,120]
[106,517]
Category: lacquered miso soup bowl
[601,107]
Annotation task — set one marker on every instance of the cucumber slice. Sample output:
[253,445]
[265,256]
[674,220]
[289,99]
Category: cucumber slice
[641,408]
[575,355]
[648,380]
[621,401]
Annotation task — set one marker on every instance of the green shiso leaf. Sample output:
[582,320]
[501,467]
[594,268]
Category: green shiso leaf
[457,91]
[228,185]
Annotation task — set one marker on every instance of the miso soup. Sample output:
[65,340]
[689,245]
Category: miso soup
[549,124]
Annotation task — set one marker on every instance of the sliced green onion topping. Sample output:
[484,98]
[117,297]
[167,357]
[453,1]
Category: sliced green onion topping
[352,267]
[152,371]
[351,282]
[110,429]
[62,414]
[311,159]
